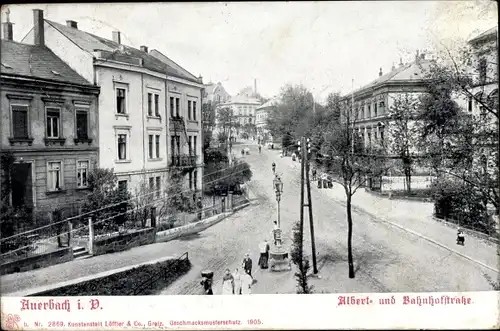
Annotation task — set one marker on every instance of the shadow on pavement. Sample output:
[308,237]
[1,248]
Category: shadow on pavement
[190,237]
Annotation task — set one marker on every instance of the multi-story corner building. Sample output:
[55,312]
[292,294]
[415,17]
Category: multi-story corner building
[215,94]
[261,115]
[150,118]
[484,72]
[184,93]
[370,105]
[49,121]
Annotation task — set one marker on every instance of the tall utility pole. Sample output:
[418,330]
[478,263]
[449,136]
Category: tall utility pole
[305,171]
[302,169]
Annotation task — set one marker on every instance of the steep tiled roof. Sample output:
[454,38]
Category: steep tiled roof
[407,72]
[37,62]
[210,88]
[180,70]
[488,33]
[91,43]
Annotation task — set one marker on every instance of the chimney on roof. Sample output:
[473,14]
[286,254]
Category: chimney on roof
[401,62]
[255,86]
[144,48]
[380,73]
[200,79]
[72,24]
[422,56]
[117,37]
[417,57]
[8,33]
[38,27]
[393,67]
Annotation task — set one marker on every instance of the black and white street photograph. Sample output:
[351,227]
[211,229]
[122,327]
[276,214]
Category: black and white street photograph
[246,148]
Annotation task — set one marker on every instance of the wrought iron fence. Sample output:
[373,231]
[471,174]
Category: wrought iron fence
[38,241]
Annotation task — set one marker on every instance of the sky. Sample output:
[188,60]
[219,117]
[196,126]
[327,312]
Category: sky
[323,45]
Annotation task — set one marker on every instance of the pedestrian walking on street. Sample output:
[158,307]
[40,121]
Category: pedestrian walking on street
[246,283]
[314,174]
[200,208]
[260,147]
[247,264]
[227,283]
[237,281]
[264,254]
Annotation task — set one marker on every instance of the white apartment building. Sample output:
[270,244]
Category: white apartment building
[261,115]
[149,107]
[371,104]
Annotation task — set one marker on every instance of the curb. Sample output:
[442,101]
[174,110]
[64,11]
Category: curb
[191,229]
[27,292]
[425,237]
[442,246]
[470,232]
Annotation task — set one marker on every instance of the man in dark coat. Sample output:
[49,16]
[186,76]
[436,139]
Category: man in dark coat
[247,264]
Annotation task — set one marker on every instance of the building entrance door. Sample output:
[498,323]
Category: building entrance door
[22,186]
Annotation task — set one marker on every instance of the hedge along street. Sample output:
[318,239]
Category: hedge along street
[141,280]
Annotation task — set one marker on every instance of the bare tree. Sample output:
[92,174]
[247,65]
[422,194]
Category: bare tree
[404,132]
[350,163]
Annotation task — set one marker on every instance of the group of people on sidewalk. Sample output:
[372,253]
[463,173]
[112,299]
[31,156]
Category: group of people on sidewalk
[241,283]
[238,283]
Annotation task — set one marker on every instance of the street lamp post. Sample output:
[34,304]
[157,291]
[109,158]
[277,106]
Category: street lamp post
[278,189]
[278,256]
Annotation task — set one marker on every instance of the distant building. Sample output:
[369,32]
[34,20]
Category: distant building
[150,121]
[261,115]
[215,93]
[49,121]
[370,105]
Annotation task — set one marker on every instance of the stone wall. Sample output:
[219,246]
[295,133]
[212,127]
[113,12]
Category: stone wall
[124,241]
[38,261]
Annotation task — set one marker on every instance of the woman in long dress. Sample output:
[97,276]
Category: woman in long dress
[227,283]
[237,281]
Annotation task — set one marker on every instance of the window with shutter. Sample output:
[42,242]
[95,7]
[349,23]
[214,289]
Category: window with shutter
[81,125]
[20,121]
[157,105]
[157,146]
[150,104]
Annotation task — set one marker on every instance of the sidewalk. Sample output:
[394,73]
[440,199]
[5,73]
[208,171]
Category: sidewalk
[415,217]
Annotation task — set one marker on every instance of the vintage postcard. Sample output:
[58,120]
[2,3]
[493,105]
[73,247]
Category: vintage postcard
[258,165]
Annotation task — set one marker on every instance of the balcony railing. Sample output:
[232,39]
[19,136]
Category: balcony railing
[183,160]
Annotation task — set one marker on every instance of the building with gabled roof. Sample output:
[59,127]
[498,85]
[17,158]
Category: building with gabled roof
[216,93]
[152,118]
[49,122]
[369,105]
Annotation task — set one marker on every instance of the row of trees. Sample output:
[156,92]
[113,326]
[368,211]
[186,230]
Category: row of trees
[428,129]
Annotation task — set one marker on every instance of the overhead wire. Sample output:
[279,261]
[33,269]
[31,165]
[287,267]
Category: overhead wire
[124,201]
